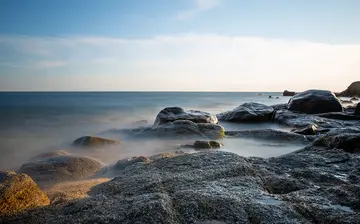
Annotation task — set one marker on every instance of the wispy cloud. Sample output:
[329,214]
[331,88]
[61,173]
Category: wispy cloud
[176,62]
[199,6]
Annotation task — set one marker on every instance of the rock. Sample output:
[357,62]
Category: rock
[46,155]
[288,93]
[269,135]
[357,110]
[277,97]
[352,90]
[315,102]
[282,106]
[346,101]
[18,192]
[349,142]
[270,96]
[49,171]
[307,186]
[179,129]
[207,145]
[354,99]
[298,120]
[309,130]
[248,112]
[91,141]
[171,114]
[339,116]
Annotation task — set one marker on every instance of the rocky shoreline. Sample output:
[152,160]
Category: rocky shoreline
[319,183]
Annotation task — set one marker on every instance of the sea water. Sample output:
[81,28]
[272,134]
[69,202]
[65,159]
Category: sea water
[34,122]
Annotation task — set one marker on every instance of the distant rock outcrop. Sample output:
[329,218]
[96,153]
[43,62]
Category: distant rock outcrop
[352,90]
[288,93]
[91,141]
[315,102]
[19,192]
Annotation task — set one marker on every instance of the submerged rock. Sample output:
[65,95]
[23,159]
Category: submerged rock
[352,90]
[288,93]
[198,145]
[309,130]
[171,114]
[315,102]
[49,171]
[307,186]
[19,192]
[91,141]
[248,112]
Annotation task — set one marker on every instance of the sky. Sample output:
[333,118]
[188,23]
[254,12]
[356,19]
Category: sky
[179,45]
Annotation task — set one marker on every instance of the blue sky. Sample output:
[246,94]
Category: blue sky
[224,45]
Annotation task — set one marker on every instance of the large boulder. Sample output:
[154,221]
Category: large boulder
[19,192]
[92,141]
[179,129]
[171,114]
[315,102]
[352,90]
[288,93]
[307,186]
[357,109]
[49,171]
[248,112]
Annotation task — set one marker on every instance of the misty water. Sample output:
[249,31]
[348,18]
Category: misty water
[31,123]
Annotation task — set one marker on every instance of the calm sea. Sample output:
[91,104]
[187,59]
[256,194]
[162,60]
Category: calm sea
[33,122]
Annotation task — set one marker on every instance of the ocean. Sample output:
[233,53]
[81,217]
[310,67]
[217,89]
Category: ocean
[35,122]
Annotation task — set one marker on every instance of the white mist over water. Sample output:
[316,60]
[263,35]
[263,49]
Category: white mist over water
[31,123]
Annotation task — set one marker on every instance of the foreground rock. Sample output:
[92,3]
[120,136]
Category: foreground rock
[288,93]
[315,102]
[49,171]
[19,192]
[91,141]
[179,129]
[313,185]
[349,142]
[357,110]
[171,114]
[352,90]
[248,112]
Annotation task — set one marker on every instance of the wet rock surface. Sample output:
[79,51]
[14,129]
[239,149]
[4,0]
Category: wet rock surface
[48,171]
[171,114]
[309,130]
[248,112]
[315,102]
[93,142]
[19,192]
[313,185]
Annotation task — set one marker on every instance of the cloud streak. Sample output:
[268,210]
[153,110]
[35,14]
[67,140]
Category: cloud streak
[199,6]
[203,62]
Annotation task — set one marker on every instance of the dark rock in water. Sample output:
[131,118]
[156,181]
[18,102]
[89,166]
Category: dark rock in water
[288,93]
[354,99]
[248,112]
[207,145]
[309,130]
[46,155]
[282,106]
[179,129]
[352,90]
[171,114]
[357,110]
[57,169]
[18,192]
[349,142]
[315,102]
[91,141]
[298,120]
[270,96]
[269,135]
[307,186]
[277,97]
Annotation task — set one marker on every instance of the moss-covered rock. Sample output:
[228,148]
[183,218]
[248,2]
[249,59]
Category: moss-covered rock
[19,192]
